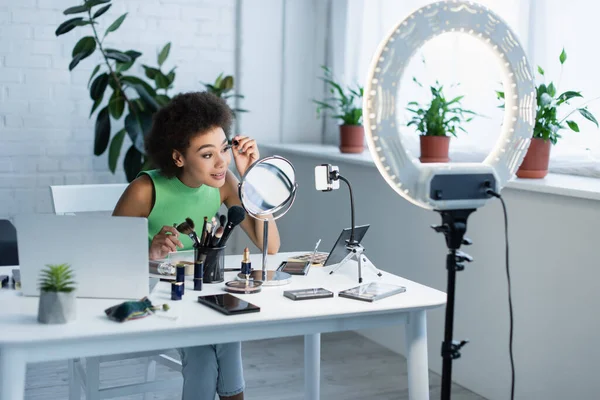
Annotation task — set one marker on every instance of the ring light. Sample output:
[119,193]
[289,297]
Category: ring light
[445,186]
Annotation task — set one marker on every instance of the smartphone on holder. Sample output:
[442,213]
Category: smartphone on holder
[295,267]
[228,304]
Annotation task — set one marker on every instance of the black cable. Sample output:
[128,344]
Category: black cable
[510,307]
[351,206]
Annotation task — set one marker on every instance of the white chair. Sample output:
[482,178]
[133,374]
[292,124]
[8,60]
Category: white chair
[71,199]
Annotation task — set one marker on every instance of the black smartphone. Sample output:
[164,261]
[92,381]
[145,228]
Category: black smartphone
[228,304]
[295,267]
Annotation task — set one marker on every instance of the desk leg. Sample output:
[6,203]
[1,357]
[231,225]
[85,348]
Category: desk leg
[12,375]
[312,366]
[416,356]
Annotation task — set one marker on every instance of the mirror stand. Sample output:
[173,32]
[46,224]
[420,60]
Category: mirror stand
[268,278]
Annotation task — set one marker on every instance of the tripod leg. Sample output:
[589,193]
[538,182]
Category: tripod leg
[348,256]
[360,268]
[370,264]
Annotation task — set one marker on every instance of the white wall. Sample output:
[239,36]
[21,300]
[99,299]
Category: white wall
[553,268]
[46,136]
[282,49]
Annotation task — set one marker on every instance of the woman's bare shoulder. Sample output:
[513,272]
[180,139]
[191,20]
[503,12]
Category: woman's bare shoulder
[137,199]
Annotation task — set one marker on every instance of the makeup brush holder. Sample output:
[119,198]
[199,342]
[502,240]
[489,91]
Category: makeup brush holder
[214,263]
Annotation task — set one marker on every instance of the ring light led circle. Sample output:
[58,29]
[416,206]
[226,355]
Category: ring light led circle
[402,171]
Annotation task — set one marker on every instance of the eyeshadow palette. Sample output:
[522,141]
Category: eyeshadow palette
[308,294]
[319,258]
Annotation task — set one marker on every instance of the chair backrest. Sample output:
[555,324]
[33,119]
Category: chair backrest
[9,254]
[69,199]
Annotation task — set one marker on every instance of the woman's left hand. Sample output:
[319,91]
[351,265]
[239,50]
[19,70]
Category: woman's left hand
[245,153]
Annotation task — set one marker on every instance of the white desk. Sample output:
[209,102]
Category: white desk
[23,339]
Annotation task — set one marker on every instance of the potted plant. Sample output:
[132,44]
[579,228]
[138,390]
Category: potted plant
[548,124]
[346,106]
[436,121]
[57,295]
[125,102]
[221,88]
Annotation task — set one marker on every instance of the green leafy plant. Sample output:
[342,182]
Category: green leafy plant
[547,123]
[222,88]
[345,105]
[57,278]
[133,101]
[440,117]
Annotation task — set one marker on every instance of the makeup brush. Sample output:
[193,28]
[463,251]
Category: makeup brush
[208,237]
[203,233]
[222,220]
[235,215]
[218,235]
[187,228]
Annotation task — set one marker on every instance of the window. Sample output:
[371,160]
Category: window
[465,66]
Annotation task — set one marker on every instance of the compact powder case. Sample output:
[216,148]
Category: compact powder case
[243,286]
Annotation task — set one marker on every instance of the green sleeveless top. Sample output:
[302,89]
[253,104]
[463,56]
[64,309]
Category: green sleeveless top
[174,202]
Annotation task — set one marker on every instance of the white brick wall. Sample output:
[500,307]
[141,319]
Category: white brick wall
[46,137]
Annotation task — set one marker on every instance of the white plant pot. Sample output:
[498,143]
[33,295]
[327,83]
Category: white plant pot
[56,307]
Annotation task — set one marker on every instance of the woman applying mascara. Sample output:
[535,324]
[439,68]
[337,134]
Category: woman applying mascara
[188,144]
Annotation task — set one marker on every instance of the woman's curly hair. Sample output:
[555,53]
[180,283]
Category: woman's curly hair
[174,125]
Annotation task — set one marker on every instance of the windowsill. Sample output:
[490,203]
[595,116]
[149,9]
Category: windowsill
[558,184]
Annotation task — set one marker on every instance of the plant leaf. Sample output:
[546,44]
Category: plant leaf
[540,70]
[227,83]
[75,61]
[136,125]
[588,115]
[116,104]
[86,45]
[566,96]
[162,82]
[75,10]
[147,97]
[101,11]
[68,26]
[99,86]
[102,132]
[132,163]
[121,67]
[573,125]
[115,149]
[162,99]
[115,25]
[171,76]
[94,72]
[563,57]
[117,55]
[551,89]
[164,53]
[93,3]
[96,104]
[150,71]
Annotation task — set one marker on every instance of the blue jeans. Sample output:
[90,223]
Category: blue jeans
[212,369]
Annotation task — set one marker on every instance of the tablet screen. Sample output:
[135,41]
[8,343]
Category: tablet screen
[228,304]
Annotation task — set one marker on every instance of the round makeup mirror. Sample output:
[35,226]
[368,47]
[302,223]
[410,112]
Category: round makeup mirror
[267,191]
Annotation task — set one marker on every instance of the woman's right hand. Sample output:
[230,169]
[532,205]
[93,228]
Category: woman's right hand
[164,242]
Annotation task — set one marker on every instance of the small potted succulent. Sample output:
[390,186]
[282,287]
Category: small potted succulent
[548,124]
[346,106]
[436,121]
[57,295]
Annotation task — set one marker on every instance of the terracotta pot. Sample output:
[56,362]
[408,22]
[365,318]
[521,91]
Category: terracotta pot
[535,163]
[352,138]
[434,148]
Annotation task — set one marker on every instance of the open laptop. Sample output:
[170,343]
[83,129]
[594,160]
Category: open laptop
[108,255]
